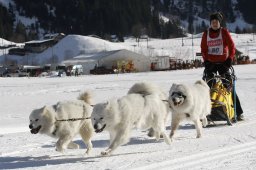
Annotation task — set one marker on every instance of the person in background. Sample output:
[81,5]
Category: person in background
[76,71]
[218,51]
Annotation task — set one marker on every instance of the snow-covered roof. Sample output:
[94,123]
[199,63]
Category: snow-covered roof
[104,55]
[38,41]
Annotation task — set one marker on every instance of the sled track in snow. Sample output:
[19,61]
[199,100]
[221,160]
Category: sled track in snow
[200,158]
[25,149]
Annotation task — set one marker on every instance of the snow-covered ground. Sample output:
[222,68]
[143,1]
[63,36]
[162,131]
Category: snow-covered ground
[222,147]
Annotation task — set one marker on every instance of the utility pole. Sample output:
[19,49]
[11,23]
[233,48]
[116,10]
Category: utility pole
[53,60]
[134,47]
[193,48]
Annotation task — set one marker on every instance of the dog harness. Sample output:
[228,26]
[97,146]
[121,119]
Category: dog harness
[67,120]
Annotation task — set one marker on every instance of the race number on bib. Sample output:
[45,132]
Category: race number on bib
[215,45]
[215,50]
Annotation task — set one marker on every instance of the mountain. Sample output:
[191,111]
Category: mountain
[27,19]
[239,15]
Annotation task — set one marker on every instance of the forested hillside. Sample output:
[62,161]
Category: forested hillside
[155,18]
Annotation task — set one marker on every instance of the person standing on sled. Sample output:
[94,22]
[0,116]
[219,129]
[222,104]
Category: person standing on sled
[218,51]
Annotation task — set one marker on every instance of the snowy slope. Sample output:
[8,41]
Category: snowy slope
[74,45]
[173,47]
[4,42]
[220,147]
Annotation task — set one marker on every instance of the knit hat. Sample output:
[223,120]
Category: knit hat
[216,16]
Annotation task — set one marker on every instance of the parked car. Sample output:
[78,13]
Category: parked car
[17,73]
[3,71]
[101,70]
[78,68]
[61,73]
[53,74]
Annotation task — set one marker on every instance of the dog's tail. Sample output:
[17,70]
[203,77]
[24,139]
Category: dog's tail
[86,97]
[203,83]
[144,88]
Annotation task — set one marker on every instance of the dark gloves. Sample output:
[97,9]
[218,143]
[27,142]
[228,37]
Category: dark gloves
[228,63]
[206,63]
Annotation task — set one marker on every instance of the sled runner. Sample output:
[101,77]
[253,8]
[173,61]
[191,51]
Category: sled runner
[221,89]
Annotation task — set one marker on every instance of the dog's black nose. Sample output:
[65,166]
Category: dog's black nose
[95,126]
[30,126]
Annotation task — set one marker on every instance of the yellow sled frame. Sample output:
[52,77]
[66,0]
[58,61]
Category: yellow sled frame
[222,101]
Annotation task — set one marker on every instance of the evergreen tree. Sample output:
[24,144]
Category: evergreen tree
[203,26]
[6,23]
[190,24]
[136,31]
[247,7]
[20,34]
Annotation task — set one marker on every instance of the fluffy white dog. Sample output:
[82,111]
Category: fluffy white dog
[190,102]
[143,107]
[64,121]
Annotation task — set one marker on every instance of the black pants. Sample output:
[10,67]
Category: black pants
[212,69]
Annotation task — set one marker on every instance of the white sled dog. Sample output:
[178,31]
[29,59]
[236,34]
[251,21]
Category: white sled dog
[143,107]
[64,121]
[190,102]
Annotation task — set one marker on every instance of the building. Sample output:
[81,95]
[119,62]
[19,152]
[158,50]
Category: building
[55,36]
[160,63]
[122,60]
[39,46]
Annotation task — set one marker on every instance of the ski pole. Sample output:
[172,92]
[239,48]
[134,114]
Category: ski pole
[234,93]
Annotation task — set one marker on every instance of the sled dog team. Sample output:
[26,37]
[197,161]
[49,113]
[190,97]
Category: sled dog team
[145,106]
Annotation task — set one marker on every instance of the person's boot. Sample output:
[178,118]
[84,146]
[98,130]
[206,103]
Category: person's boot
[240,117]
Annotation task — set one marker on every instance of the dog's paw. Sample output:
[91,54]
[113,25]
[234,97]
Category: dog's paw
[168,141]
[105,153]
[204,123]
[151,133]
[198,136]
[59,149]
[88,151]
[73,145]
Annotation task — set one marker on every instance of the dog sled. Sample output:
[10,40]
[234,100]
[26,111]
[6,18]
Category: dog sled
[222,90]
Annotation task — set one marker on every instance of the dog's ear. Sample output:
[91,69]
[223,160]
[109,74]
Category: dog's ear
[106,104]
[174,85]
[46,110]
